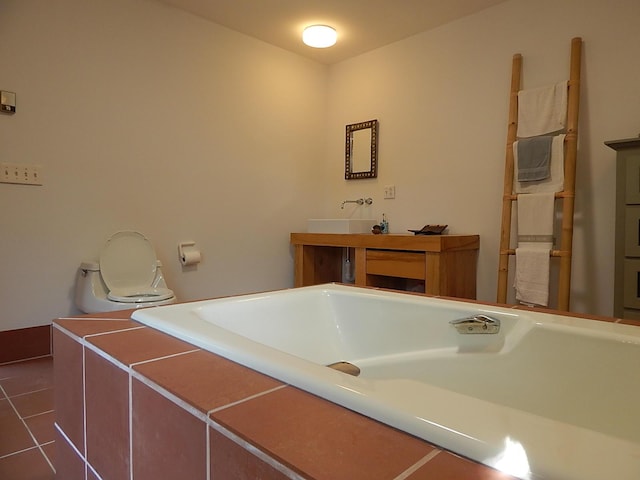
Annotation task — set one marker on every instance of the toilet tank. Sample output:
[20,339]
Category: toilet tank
[89,286]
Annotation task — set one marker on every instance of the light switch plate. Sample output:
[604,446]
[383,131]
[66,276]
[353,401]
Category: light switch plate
[7,102]
[389,191]
[20,174]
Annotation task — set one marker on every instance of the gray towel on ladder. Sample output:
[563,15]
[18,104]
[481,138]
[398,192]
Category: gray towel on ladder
[534,158]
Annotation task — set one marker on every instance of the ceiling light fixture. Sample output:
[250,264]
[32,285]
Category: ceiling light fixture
[319,36]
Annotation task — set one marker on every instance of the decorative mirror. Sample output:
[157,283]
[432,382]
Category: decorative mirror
[361,150]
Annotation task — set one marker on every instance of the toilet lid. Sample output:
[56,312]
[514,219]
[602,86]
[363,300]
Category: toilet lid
[128,263]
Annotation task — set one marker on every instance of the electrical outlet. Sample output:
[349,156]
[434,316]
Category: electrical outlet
[389,191]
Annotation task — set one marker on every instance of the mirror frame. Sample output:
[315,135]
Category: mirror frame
[373,171]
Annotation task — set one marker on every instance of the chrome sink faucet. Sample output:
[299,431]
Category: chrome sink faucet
[360,201]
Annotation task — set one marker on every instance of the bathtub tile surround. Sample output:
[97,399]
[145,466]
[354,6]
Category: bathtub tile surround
[450,466]
[69,394]
[68,463]
[308,421]
[138,345]
[82,328]
[206,381]
[425,377]
[155,417]
[231,460]
[154,390]
[107,416]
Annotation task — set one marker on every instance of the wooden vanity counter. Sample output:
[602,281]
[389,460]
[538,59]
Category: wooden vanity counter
[434,264]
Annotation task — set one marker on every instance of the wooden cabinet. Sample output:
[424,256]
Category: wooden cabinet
[626,294]
[434,264]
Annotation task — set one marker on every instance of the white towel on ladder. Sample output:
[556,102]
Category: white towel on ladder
[535,241]
[542,110]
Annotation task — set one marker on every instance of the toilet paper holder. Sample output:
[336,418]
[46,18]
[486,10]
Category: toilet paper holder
[187,254]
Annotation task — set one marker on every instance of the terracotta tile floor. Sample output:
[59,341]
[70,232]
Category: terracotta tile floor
[26,420]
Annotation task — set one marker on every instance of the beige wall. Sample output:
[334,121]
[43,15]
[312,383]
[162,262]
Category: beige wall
[147,118]
[442,101]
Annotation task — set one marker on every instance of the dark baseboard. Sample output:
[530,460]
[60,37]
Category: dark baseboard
[25,343]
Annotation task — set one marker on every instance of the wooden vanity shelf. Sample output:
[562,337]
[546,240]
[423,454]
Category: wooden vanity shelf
[434,264]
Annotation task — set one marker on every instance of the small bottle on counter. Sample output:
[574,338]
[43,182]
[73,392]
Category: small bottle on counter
[384,225]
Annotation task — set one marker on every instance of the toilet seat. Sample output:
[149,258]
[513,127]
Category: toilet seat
[152,295]
[128,266]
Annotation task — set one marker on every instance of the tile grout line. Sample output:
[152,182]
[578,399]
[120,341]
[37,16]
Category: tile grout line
[130,399]
[142,362]
[85,455]
[87,317]
[172,398]
[246,399]
[123,366]
[104,355]
[80,339]
[101,334]
[88,467]
[18,451]
[13,362]
[67,332]
[66,438]
[420,463]
[255,451]
[207,422]
[36,415]
[29,393]
[131,374]
[35,440]
[243,443]
[208,447]
[168,395]
[47,458]
[75,450]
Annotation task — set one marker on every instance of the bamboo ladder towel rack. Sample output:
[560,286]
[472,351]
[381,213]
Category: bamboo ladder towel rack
[567,195]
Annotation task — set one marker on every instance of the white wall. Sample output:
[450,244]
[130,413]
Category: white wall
[442,101]
[147,118]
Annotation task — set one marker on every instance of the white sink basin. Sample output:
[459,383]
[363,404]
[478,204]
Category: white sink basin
[339,225]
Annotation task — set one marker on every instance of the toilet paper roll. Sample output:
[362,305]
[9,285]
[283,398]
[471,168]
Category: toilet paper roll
[190,257]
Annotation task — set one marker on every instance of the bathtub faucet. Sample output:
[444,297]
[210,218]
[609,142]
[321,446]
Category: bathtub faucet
[479,323]
[360,201]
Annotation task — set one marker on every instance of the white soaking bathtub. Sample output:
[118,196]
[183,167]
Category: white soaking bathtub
[549,396]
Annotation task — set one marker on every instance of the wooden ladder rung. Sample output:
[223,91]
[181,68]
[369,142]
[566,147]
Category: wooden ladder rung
[554,253]
[514,197]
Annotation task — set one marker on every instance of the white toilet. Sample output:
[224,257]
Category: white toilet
[128,275]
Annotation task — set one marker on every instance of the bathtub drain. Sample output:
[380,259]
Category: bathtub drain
[345,367]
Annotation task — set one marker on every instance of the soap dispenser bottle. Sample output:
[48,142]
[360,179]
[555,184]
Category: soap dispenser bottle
[384,225]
